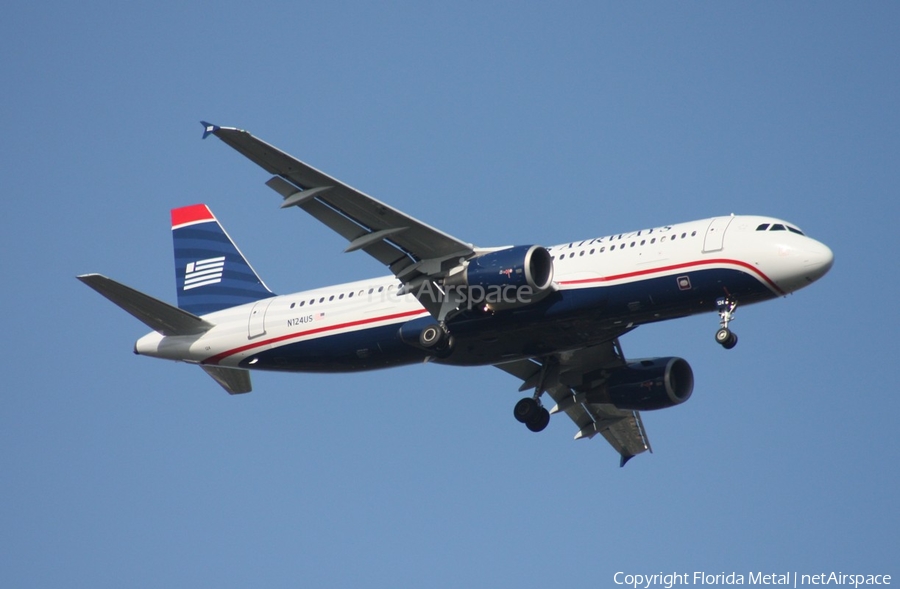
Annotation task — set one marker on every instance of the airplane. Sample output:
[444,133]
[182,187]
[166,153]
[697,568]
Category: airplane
[550,316]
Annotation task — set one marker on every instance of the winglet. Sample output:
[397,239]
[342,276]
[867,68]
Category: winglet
[208,129]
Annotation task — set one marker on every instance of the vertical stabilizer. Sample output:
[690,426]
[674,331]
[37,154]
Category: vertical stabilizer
[211,273]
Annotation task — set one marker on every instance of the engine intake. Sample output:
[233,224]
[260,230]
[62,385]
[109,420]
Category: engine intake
[505,279]
[644,385]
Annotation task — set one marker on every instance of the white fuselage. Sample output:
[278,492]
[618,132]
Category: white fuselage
[669,271]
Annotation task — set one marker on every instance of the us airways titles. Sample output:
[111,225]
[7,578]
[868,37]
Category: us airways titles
[621,236]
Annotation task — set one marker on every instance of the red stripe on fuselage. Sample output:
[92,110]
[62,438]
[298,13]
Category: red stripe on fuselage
[768,281]
[219,357]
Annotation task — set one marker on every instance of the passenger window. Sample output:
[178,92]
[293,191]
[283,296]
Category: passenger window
[302,303]
[331,298]
[592,252]
[341,297]
[581,253]
[322,300]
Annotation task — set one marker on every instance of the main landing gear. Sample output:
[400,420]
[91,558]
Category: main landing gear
[725,337]
[530,412]
[436,338]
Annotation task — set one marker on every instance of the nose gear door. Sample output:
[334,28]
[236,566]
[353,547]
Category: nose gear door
[714,239]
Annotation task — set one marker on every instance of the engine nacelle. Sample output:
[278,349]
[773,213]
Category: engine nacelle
[643,385]
[505,279]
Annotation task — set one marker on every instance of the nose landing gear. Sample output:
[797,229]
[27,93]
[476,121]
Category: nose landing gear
[725,337]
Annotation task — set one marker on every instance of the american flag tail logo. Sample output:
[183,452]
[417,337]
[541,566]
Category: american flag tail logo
[203,272]
[203,285]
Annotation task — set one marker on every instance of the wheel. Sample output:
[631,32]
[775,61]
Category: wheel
[540,420]
[726,338]
[723,336]
[525,410]
[436,340]
[433,336]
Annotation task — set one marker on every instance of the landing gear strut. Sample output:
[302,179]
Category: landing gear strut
[725,337]
[530,412]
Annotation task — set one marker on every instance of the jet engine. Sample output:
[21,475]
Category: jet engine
[505,279]
[643,385]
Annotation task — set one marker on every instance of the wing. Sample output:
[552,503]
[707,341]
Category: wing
[564,376]
[411,249]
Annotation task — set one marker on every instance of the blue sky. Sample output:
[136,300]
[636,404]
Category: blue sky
[498,123]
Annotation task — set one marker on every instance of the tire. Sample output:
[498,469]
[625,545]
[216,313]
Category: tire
[525,410]
[723,336]
[540,421]
[431,336]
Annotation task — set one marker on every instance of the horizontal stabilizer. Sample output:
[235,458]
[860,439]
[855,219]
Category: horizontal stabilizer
[159,316]
[233,380]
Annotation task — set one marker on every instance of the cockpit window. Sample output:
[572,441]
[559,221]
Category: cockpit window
[778,227]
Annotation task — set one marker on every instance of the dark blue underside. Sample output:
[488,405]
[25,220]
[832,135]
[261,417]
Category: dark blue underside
[566,319]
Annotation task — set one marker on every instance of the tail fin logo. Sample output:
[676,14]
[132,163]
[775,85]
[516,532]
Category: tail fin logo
[203,272]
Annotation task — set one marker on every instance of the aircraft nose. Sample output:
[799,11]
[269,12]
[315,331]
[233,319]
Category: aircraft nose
[818,259]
